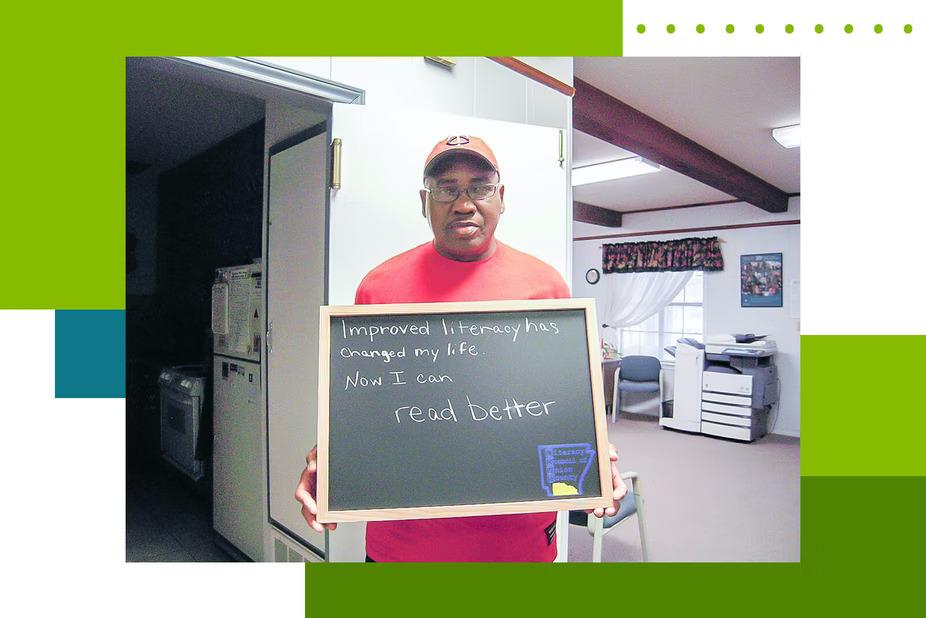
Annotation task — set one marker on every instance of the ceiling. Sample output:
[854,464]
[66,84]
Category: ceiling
[727,105]
[176,110]
[169,119]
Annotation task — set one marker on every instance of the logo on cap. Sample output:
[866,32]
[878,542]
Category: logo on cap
[457,144]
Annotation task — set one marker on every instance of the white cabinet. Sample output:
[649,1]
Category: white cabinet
[498,92]
[476,86]
[237,495]
[409,83]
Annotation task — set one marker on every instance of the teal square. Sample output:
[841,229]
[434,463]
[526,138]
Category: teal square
[90,354]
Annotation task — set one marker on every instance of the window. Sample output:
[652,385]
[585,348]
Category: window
[683,317]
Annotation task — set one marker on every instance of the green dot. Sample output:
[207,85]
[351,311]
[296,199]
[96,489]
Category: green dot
[879,28]
[818,28]
[848,28]
[730,28]
[641,28]
[760,28]
[789,28]
[670,28]
[908,28]
[700,28]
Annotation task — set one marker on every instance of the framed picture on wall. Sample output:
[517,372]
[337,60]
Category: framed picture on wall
[760,280]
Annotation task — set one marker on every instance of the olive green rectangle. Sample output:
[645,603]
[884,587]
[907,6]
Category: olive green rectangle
[861,410]
[862,538]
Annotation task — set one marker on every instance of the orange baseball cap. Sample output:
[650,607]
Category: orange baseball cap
[461,144]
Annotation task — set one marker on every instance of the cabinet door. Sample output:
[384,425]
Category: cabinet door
[295,270]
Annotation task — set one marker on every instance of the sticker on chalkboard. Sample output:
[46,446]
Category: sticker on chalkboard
[563,467]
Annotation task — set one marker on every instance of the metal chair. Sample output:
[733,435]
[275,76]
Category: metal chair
[632,504]
[636,374]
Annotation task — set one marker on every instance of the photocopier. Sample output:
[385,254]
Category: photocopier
[724,387]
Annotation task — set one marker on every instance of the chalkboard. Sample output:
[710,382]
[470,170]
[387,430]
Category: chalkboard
[452,409]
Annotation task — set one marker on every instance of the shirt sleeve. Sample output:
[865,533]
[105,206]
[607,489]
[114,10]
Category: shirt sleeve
[362,296]
[561,289]
[366,291]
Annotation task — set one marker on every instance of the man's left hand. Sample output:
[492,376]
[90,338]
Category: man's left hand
[620,488]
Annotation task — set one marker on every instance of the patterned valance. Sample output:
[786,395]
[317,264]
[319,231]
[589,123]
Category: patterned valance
[658,256]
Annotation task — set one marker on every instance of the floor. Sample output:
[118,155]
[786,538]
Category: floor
[166,519]
[706,499]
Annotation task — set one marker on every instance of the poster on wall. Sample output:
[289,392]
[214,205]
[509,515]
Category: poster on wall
[760,280]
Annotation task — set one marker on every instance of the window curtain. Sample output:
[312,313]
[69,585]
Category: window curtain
[632,298]
[661,256]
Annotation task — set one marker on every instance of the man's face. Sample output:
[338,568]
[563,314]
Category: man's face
[464,229]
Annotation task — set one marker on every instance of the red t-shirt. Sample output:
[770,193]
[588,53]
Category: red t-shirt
[423,275]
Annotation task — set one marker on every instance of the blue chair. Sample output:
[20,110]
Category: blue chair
[632,504]
[636,374]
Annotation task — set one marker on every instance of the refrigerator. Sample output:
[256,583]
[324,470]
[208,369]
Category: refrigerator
[238,470]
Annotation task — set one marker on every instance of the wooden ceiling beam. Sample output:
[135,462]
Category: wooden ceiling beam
[586,213]
[600,115]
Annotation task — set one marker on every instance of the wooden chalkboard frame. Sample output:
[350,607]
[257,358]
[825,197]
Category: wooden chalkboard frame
[461,510]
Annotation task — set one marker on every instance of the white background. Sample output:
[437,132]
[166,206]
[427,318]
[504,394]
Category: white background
[862,98]
[862,102]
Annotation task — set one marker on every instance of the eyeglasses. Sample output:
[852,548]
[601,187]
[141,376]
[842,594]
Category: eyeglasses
[446,195]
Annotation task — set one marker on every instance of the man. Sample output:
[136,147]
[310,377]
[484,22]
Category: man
[462,199]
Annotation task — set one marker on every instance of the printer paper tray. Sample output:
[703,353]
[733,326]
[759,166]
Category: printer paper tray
[710,406]
[726,419]
[726,431]
[735,400]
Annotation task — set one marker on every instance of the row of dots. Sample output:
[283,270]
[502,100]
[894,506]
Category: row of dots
[789,28]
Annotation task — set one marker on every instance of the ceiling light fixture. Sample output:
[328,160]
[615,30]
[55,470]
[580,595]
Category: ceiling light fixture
[612,170]
[789,137]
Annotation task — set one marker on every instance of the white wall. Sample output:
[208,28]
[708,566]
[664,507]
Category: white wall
[722,311]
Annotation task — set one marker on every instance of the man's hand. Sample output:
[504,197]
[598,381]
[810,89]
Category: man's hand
[620,488]
[305,492]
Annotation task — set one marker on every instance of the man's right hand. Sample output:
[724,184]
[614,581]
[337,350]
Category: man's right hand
[305,492]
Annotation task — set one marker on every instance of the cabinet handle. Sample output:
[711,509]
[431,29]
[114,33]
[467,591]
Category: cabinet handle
[336,163]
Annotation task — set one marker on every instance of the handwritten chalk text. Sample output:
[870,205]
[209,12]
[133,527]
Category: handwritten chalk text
[373,331]
[510,410]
